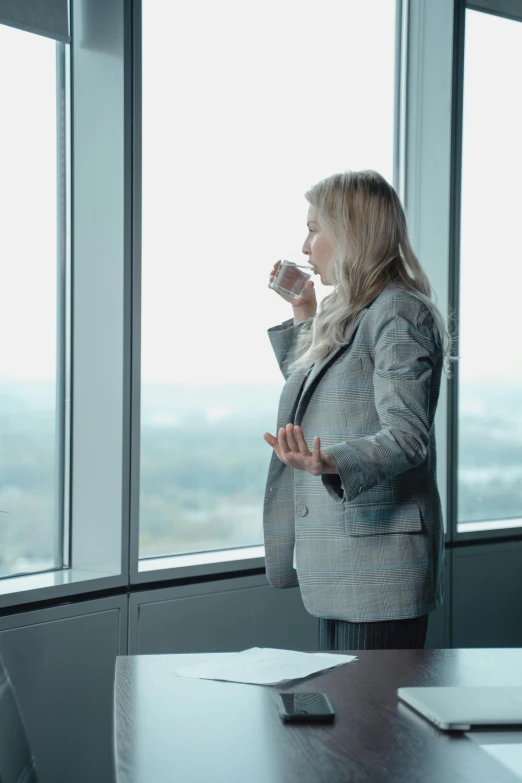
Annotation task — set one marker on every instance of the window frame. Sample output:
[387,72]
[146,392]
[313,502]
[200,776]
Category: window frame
[169,567]
[508,9]
[425,156]
[432,85]
[196,565]
[63,352]
[96,554]
[428,110]
[60,531]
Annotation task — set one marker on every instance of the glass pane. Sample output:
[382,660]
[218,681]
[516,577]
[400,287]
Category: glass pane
[245,105]
[29,455]
[490,383]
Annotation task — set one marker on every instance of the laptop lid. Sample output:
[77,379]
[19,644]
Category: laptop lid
[457,708]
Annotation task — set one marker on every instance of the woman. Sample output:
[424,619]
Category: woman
[356,521]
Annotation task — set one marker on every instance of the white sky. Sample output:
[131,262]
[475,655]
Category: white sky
[491,250]
[27,205]
[235,128]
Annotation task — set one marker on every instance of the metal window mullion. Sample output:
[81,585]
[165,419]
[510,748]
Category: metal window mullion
[135,295]
[401,93]
[61,342]
[425,140]
[97,283]
[455,239]
[69,402]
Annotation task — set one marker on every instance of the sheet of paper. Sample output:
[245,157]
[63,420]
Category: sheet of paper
[504,746]
[263,666]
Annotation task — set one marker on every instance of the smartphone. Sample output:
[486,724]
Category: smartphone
[305,707]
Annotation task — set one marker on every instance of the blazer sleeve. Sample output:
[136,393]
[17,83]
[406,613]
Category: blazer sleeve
[405,355]
[282,338]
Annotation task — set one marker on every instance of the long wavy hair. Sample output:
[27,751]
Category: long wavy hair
[362,216]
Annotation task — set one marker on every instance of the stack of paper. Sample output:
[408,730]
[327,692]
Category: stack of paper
[263,666]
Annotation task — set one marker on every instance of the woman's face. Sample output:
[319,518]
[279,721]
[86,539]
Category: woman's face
[317,247]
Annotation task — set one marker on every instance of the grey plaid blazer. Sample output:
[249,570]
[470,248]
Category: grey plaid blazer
[369,541]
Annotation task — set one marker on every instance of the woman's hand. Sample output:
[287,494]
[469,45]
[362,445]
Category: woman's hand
[290,446]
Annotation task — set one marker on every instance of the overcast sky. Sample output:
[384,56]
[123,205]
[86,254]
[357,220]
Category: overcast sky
[235,129]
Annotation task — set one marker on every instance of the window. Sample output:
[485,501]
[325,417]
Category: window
[32,316]
[490,379]
[245,105]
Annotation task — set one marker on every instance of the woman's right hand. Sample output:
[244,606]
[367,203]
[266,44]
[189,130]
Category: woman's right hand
[306,305]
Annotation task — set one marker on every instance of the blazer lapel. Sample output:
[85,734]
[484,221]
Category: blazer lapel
[292,391]
[290,396]
[320,367]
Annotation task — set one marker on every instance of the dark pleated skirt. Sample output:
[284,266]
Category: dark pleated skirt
[407,634]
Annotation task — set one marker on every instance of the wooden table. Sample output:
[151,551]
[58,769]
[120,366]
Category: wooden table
[170,728]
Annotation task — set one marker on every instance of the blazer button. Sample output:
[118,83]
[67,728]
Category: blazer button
[301,510]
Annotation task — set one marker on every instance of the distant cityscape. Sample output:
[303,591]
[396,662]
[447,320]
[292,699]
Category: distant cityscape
[204,464]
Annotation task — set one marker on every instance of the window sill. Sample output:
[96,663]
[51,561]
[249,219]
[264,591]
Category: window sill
[476,527]
[200,564]
[50,585]
[62,584]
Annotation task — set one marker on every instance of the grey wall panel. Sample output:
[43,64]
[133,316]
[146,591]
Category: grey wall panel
[220,616]
[61,662]
[487,595]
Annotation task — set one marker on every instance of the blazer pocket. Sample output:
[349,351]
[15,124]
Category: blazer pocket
[374,519]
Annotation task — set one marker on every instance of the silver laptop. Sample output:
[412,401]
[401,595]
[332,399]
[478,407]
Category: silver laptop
[460,709]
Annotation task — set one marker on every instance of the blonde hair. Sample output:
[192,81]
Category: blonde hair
[362,216]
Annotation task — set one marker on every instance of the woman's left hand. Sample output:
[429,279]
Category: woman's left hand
[291,448]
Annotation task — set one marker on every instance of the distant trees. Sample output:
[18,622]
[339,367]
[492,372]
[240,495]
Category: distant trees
[202,482]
